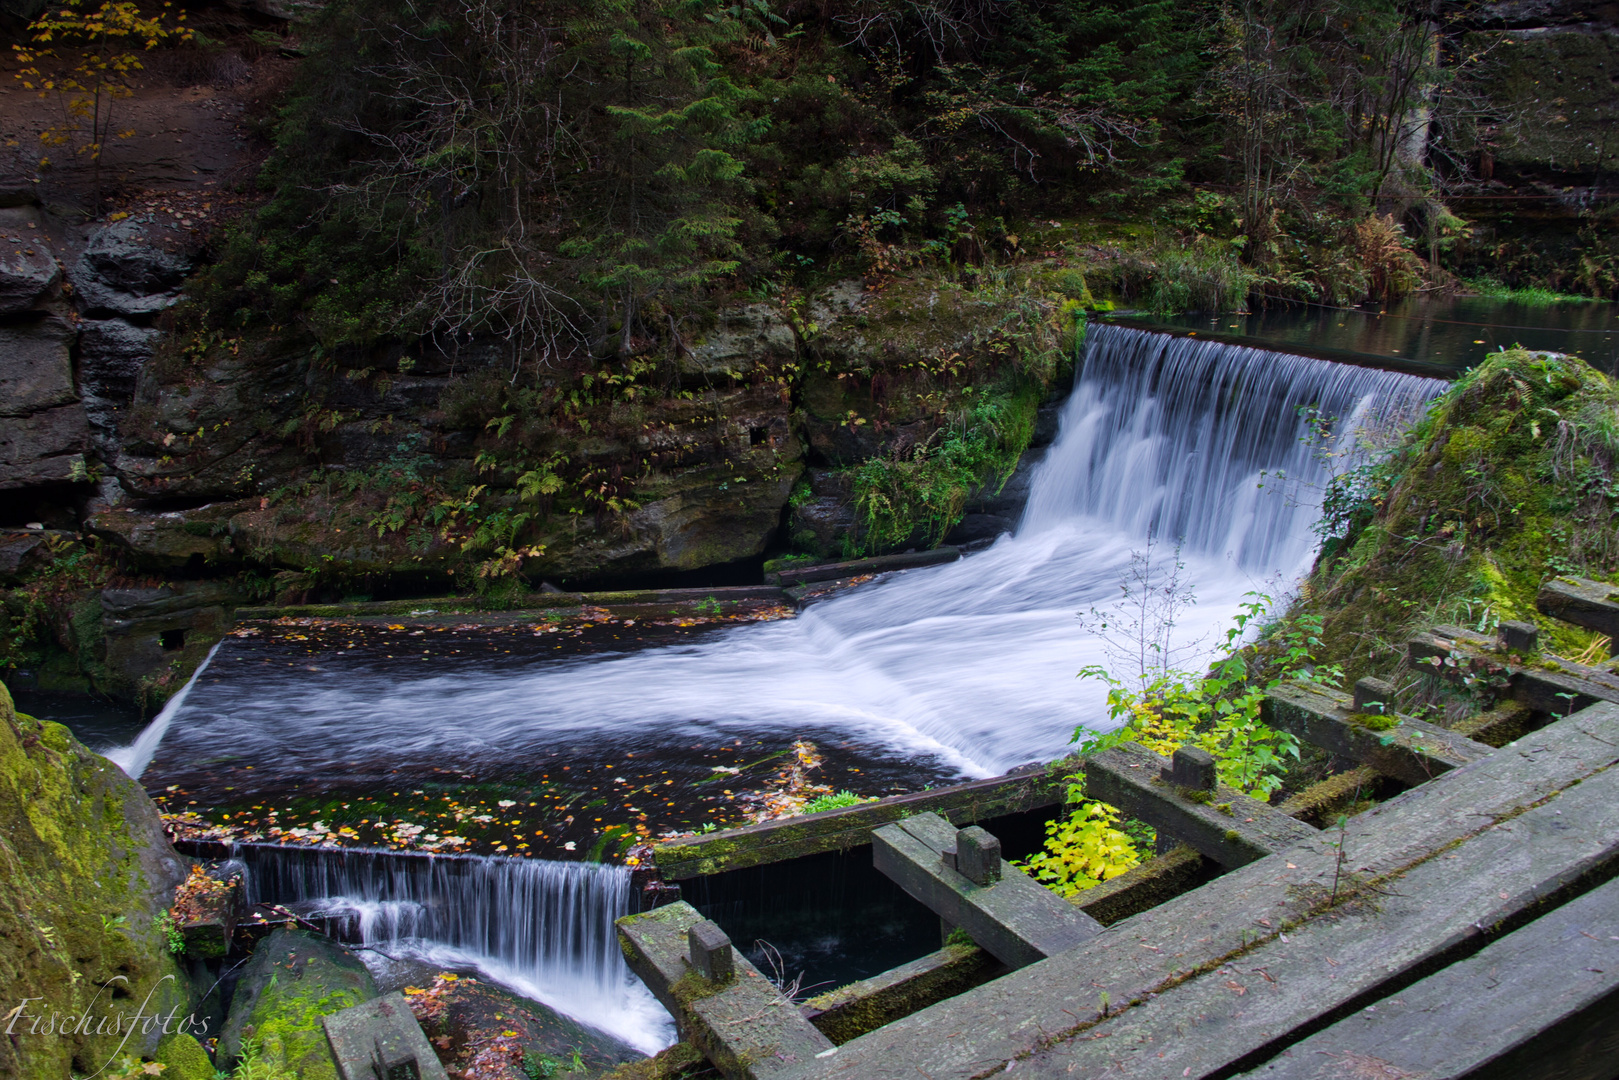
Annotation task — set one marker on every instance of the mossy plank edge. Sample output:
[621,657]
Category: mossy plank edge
[1538,1002]
[1017,1015]
[1559,691]
[1323,800]
[1422,919]
[745,1027]
[1015,919]
[851,1011]
[1498,726]
[839,830]
[1159,879]
[1583,602]
[1127,776]
[1413,752]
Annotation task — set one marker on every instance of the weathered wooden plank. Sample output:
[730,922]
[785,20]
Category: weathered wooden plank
[1412,751]
[1583,602]
[850,1011]
[1230,828]
[803,575]
[1256,1003]
[744,1025]
[1016,1015]
[1542,1001]
[1556,686]
[1014,919]
[839,830]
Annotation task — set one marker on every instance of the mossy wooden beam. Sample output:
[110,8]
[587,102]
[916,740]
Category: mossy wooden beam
[839,830]
[1410,750]
[1159,879]
[1539,1002]
[850,1011]
[1226,826]
[1583,602]
[1210,934]
[742,1023]
[1545,683]
[804,575]
[1013,919]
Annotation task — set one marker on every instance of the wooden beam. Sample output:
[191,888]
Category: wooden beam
[1013,919]
[839,830]
[1550,685]
[1583,602]
[803,575]
[1542,1001]
[743,1024]
[1011,1020]
[1228,827]
[1410,750]
[850,1011]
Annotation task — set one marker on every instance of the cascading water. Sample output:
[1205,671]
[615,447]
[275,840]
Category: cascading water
[542,927]
[971,664]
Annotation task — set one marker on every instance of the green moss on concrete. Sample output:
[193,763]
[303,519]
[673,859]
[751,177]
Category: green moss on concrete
[293,980]
[1508,481]
[86,870]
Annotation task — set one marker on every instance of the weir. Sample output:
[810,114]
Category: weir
[542,927]
[969,665]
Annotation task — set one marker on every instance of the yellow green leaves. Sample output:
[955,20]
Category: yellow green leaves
[1082,850]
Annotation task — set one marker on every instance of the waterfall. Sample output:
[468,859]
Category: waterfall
[134,758]
[971,664]
[544,928]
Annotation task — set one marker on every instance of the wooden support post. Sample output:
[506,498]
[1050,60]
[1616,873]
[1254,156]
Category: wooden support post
[850,1011]
[740,1022]
[1013,919]
[1229,827]
[1412,751]
[1583,602]
[1555,686]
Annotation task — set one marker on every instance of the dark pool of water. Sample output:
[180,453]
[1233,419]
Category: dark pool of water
[1432,335]
[100,724]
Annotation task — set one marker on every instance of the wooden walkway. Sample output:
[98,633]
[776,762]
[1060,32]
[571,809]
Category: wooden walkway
[1467,926]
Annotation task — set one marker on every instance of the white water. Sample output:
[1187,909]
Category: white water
[972,662]
[134,758]
[542,928]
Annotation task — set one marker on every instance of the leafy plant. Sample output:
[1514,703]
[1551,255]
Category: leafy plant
[173,939]
[1218,711]
[87,91]
[1083,849]
[832,802]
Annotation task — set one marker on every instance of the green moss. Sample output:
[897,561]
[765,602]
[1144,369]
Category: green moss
[1374,721]
[184,1058]
[86,870]
[293,980]
[1508,481]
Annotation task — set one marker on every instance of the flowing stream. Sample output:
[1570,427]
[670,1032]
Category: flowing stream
[971,664]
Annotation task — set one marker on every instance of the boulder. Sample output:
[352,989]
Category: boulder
[171,540]
[87,870]
[28,270]
[127,269]
[293,980]
[111,355]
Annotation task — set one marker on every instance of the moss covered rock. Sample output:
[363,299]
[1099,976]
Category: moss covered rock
[183,1058]
[293,979]
[1509,480]
[87,870]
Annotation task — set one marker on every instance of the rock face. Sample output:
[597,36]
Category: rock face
[87,869]
[293,979]
[111,355]
[43,431]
